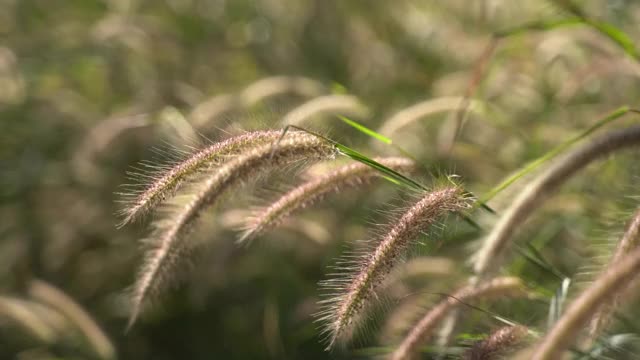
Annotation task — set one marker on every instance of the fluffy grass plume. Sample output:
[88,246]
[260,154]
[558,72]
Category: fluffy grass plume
[426,326]
[165,183]
[535,192]
[498,343]
[611,282]
[168,243]
[347,176]
[351,294]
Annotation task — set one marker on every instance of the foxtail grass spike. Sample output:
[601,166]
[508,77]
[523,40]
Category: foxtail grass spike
[352,294]
[168,240]
[166,183]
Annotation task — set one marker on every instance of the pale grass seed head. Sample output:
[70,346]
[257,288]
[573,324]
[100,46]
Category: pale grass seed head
[350,295]
[168,179]
[168,242]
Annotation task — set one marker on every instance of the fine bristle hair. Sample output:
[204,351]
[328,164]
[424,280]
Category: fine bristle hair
[314,190]
[613,280]
[168,243]
[627,243]
[498,343]
[169,179]
[426,326]
[488,256]
[350,294]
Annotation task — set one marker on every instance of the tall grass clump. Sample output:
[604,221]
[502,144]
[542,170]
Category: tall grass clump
[350,295]
[168,242]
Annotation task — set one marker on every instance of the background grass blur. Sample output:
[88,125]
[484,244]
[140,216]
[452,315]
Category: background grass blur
[88,88]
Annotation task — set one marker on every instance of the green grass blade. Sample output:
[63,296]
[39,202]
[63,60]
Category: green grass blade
[366,130]
[616,35]
[538,26]
[401,179]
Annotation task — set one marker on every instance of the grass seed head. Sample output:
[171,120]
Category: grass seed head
[168,243]
[353,293]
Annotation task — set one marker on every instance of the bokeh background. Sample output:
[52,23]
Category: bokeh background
[90,88]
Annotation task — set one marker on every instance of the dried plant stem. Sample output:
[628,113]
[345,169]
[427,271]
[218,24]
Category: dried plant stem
[167,183]
[56,299]
[308,193]
[352,293]
[420,333]
[628,243]
[534,194]
[448,135]
[168,240]
[415,112]
[23,313]
[271,86]
[611,282]
[499,342]
[333,104]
